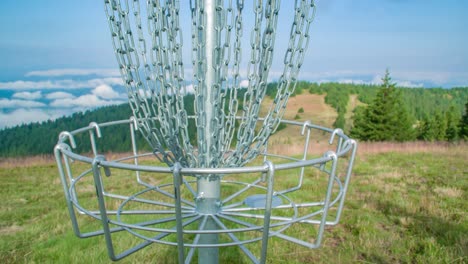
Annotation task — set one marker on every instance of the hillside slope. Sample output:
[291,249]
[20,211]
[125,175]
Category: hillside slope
[328,104]
[289,140]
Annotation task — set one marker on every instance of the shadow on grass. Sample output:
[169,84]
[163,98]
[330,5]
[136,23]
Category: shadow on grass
[423,225]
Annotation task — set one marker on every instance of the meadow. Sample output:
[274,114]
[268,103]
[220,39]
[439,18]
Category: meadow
[406,204]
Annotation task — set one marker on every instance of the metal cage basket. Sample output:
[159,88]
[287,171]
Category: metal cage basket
[265,199]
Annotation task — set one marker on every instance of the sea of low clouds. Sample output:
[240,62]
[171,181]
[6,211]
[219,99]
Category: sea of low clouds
[49,94]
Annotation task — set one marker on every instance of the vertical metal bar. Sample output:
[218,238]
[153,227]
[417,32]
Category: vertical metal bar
[67,168]
[71,191]
[208,203]
[339,145]
[266,220]
[327,197]
[178,211]
[92,137]
[71,210]
[304,157]
[133,128]
[208,193]
[347,179]
[306,150]
[210,78]
[102,206]
[265,152]
[93,142]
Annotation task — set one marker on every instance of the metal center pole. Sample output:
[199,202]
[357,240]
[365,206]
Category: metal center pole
[208,187]
[208,203]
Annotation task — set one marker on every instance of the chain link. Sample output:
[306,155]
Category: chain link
[249,145]
[154,75]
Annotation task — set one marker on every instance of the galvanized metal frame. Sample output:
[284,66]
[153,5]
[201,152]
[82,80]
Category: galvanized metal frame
[182,212]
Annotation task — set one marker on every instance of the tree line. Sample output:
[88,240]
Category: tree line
[388,113]
[390,117]
[394,113]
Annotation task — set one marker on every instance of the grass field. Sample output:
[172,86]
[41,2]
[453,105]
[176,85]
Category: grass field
[402,207]
[406,204]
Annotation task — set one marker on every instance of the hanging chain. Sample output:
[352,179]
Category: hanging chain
[231,101]
[249,145]
[154,75]
[222,123]
[199,70]
[262,46]
[293,59]
[156,98]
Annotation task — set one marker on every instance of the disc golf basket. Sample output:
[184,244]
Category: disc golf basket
[219,187]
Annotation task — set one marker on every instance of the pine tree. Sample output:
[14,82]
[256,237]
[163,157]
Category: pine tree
[440,126]
[464,124]
[428,129]
[453,124]
[386,118]
[360,128]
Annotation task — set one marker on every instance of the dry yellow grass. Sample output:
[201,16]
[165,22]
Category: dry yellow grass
[289,140]
[460,148]
[287,147]
[315,109]
[448,192]
[40,160]
[26,161]
[8,230]
[352,104]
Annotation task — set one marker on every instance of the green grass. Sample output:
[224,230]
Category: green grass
[401,208]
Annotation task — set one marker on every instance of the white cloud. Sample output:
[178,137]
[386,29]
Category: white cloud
[23,116]
[402,78]
[56,84]
[106,92]
[377,80]
[437,78]
[190,89]
[88,100]
[28,95]
[409,84]
[244,83]
[75,72]
[14,103]
[373,78]
[59,95]
[108,81]
[352,81]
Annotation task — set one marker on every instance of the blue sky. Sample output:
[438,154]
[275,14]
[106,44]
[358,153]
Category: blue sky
[56,56]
